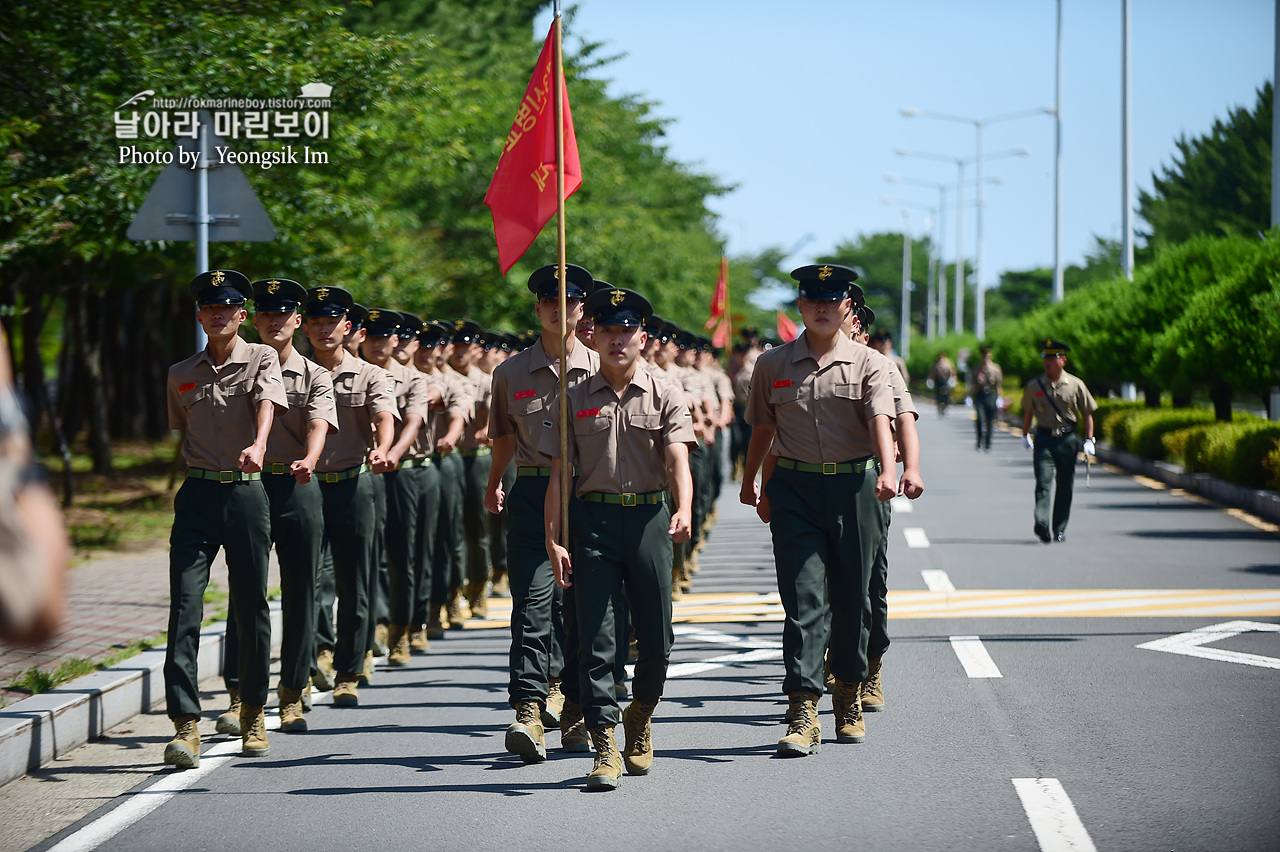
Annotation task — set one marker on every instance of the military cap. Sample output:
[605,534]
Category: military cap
[545,284]
[434,333]
[866,316]
[358,315]
[656,326]
[597,284]
[278,294]
[828,283]
[465,331]
[685,340]
[487,339]
[410,324]
[1054,347]
[618,307]
[328,302]
[221,287]
[382,322]
[704,344]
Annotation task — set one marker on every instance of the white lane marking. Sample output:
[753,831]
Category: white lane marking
[1189,644]
[715,637]
[915,537]
[901,506]
[937,581]
[753,651]
[1053,818]
[974,657]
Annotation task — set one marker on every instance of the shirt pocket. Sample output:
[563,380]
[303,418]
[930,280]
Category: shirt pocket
[783,395]
[297,399]
[587,426]
[350,399]
[192,394]
[526,407]
[848,390]
[650,422]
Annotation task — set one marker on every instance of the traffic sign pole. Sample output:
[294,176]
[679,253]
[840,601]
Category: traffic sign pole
[202,220]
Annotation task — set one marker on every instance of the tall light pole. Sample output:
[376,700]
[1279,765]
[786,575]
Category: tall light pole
[1126,145]
[904,348]
[1059,275]
[979,310]
[961,162]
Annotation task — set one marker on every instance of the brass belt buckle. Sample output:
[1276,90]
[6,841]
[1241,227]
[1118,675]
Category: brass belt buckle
[828,468]
[330,477]
[226,476]
[628,498]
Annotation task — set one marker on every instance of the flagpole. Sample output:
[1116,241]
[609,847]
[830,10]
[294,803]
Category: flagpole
[565,331]
[728,305]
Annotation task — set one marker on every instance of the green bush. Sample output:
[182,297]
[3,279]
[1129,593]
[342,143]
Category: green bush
[1245,452]
[1108,413]
[1140,431]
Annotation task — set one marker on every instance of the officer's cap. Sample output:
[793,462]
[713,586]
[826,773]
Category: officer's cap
[382,322]
[358,315]
[465,331]
[657,327]
[278,295]
[828,283]
[866,316]
[410,324]
[221,287]
[489,339]
[597,284]
[1054,347]
[545,284]
[328,302]
[685,340]
[618,307]
[434,334]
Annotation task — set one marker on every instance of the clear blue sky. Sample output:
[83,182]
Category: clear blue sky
[798,104]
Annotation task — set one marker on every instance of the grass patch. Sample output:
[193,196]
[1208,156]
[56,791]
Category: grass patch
[36,680]
[133,649]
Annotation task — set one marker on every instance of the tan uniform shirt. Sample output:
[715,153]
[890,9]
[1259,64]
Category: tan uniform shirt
[742,378]
[526,394]
[723,384]
[902,402]
[1070,394]
[458,397]
[480,385]
[410,391]
[619,445]
[902,367]
[310,390]
[987,378]
[822,413]
[425,444]
[361,392]
[218,406]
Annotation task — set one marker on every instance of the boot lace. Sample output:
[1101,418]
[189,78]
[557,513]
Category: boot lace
[527,713]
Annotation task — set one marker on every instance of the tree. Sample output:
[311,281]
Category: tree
[878,260]
[1219,184]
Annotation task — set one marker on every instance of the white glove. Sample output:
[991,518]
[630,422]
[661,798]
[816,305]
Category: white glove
[1026,441]
[999,402]
[1089,448]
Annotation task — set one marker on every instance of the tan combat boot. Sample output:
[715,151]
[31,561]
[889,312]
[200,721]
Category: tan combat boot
[686,573]
[306,697]
[637,754]
[253,721]
[183,751]
[366,674]
[555,704]
[323,678]
[676,593]
[573,729]
[435,624]
[456,613]
[398,640]
[804,732]
[501,585]
[345,690]
[229,722]
[291,709]
[691,567]
[420,641]
[381,642]
[872,691]
[477,601]
[525,736]
[607,773]
[846,700]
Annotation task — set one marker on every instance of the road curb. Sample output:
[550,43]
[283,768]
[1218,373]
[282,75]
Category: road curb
[43,727]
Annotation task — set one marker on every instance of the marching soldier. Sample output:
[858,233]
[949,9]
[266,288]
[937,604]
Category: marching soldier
[366,409]
[630,438]
[1062,409]
[476,460]
[496,348]
[984,387]
[823,406]
[449,569]
[293,449]
[525,403]
[225,398]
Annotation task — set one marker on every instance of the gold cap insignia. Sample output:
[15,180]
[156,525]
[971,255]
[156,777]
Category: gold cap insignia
[373,315]
[1048,344]
[218,276]
[616,297]
[824,272]
[322,293]
[273,286]
[555,273]
[458,324]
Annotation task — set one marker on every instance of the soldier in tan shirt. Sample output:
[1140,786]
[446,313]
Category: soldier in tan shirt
[451,541]
[630,436]
[440,403]
[526,398]
[293,449]
[366,409]
[225,399]
[824,406]
[476,461]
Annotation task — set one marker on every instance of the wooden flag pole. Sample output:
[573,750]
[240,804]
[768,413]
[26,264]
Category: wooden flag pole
[565,331]
[728,307]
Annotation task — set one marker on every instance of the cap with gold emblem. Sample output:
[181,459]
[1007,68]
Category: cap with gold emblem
[1054,347]
[618,307]
[358,315]
[866,316]
[328,302]
[221,287]
[545,285]
[410,324]
[382,322]
[433,334]
[465,331]
[828,283]
[659,328]
[278,295]
[597,284]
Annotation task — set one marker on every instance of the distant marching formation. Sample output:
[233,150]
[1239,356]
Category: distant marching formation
[370,466]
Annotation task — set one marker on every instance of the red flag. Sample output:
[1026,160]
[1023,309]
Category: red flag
[787,330]
[720,298]
[522,194]
[720,337]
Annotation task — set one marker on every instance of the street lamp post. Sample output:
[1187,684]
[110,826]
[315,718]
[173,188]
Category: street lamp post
[979,310]
[904,334]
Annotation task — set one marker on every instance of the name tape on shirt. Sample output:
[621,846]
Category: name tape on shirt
[188,386]
[525,394]
[1039,393]
[782,383]
[588,412]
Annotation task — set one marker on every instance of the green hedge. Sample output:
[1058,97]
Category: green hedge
[1140,431]
[1246,452]
[1108,413]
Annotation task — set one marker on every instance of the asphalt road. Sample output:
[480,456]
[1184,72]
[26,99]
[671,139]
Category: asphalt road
[1083,740]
